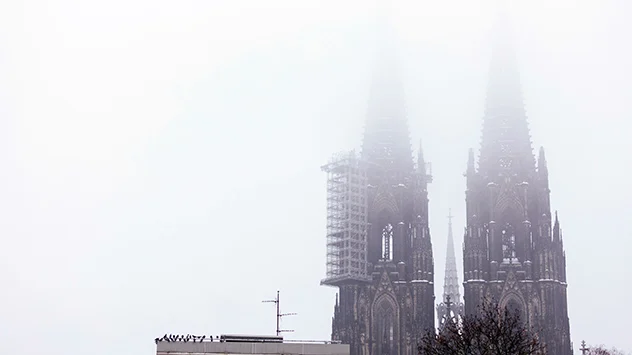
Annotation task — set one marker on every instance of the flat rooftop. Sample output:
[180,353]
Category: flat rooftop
[249,346]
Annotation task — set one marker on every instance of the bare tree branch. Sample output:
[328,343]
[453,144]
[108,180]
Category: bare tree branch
[601,350]
[492,331]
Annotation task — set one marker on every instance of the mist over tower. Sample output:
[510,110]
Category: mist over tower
[379,250]
[511,252]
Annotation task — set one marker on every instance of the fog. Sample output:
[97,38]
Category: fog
[160,159]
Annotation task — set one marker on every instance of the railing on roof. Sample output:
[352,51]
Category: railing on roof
[232,338]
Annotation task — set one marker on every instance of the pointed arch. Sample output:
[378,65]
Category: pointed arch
[384,202]
[386,299]
[508,203]
[385,319]
[534,312]
[513,301]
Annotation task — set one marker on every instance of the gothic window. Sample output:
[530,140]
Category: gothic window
[509,244]
[385,336]
[513,307]
[387,242]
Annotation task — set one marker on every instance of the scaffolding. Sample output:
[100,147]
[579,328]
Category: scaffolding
[347,221]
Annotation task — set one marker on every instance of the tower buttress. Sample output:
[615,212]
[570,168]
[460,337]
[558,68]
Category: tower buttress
[387,309]
[512,251]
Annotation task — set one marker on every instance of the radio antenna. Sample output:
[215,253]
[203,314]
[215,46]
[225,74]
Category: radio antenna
[279,315]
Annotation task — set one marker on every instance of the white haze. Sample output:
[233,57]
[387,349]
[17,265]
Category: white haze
[160,159]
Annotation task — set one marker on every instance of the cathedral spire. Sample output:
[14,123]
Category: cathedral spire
[451,307]
[513,251]
[377,223]
[506,143]
[451,283]
[387,137]
[556,228]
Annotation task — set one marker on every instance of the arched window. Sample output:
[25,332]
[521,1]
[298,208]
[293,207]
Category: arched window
[514,307]
[509,244]
[386,324]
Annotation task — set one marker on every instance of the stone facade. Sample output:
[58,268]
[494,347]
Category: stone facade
[388,313]
[513,248]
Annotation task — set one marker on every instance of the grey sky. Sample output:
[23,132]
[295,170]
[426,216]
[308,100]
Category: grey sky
[161,158]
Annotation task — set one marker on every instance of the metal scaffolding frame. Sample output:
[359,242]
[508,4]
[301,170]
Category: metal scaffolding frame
[347,220]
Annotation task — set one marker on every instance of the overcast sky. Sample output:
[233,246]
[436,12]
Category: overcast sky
[160,159]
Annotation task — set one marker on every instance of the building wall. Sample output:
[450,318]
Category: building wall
[182,348]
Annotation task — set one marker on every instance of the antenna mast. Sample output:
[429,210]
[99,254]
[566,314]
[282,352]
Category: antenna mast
[279,315]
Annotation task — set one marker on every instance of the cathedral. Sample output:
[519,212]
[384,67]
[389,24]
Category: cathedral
[379,249]
[513,251]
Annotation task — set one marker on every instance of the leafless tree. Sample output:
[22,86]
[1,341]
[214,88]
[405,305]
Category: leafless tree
[492,331]
[602,350]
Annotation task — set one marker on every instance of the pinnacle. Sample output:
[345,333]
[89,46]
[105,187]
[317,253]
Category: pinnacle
[542,164]
[471,165]
[451,282]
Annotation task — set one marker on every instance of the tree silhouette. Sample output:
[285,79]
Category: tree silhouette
[491,331]
[602,350]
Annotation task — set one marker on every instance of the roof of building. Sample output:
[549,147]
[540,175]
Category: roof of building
[231,344]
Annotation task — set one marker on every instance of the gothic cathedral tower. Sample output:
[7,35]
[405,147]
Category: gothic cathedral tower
[513,251]
[379,252]
[451,308]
